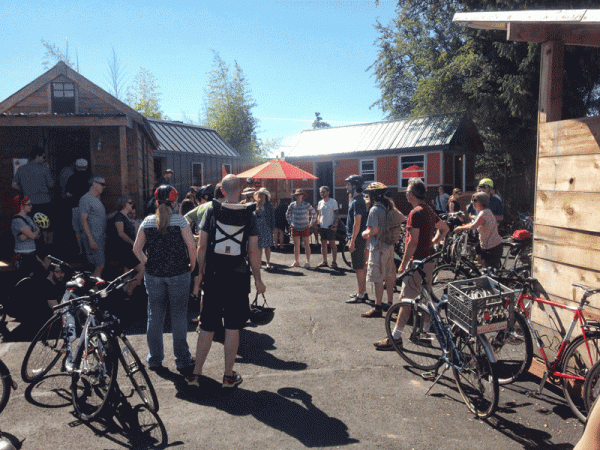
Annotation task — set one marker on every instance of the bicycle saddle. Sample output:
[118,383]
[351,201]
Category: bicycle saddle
[587,289]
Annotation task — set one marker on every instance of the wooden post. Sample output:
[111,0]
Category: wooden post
[551,82]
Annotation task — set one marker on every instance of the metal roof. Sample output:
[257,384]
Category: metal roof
[400,136]
[499,20]
[186,138]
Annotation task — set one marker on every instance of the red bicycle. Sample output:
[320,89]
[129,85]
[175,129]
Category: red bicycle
[574,357]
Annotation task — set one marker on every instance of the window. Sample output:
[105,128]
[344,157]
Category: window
[63,98]
[367,170]
[411,167]
[196,174]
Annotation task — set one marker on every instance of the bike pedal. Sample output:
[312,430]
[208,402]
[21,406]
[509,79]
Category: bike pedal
[428,376]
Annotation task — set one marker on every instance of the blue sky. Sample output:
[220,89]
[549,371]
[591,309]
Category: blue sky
[299,57]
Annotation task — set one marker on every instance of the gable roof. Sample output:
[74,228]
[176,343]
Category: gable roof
[62,69]
[398,136]
[182,137]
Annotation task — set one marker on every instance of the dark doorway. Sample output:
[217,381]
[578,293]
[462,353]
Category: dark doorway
[325,174]
[458,171]
[65,145]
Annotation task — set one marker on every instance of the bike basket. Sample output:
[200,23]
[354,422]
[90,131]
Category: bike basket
[478,305]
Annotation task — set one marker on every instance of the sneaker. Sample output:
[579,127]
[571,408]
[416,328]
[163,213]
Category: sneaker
[355,298]
[424,339]
[187,369]
[193,380]
[372,313]
[307,266]
[334,266]
[157,369]
[295,264]
[232,381]
[386,306]
[386,345]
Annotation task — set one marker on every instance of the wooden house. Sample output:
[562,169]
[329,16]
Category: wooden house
[566,246]
[197,155]
[440,149]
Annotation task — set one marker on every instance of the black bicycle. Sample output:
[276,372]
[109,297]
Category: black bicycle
[7,384]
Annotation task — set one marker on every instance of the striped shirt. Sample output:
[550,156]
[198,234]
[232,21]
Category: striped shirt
[300,215]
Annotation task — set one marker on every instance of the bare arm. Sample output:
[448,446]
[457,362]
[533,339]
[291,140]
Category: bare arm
[138,246]
[88,232]
[441,231]
[412,239]
[30,234]
[471,226]
[190,242]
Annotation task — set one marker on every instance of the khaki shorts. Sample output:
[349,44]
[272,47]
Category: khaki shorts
[411,285]
[381,264]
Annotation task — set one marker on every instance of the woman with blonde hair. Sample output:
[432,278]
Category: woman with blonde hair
[169,259]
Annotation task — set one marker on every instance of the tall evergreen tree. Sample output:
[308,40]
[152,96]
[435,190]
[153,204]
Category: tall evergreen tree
[228,109]
[427,64]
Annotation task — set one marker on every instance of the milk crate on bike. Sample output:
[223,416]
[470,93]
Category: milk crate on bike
[480,305]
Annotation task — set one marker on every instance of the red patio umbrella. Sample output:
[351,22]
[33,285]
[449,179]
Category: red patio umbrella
[413,171]
[277,169]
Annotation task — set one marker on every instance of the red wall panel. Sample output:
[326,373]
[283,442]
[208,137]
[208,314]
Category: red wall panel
[433,168]
[387,170]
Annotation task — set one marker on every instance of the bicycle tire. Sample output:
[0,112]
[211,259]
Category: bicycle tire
[591,387]
[513,348]
[476,381]
[577,362]
[44,351]
[424,354]
[522,264]
[5,385]
[344,250]
[445,274]
[135,370]
[92,383]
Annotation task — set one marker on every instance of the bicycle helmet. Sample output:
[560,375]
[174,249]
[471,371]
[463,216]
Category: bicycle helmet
[261,314]
[375,187]
[356,181]
[206,192]
[165,193]
[41,220]
[486,182]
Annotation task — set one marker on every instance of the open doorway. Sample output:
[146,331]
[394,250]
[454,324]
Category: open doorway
[65,145]
[325,175]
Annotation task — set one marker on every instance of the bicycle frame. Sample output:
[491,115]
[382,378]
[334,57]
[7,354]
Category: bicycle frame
[578,317]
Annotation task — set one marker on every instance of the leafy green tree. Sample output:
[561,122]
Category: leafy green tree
[228,109]
[427,65]
[319,122]
[144,96]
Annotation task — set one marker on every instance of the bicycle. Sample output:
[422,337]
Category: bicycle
[51,341]
[454,263]
[574,358]
[7,383]
[102,344]
[470,357]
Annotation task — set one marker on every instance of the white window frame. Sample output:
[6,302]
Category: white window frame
[363,172]
[424,155]
[201,173]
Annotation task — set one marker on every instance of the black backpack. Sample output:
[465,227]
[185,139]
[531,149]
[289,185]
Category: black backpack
[228,237]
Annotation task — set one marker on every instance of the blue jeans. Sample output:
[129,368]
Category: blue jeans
[174,290]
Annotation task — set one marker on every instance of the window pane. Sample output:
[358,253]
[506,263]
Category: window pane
[368,165]
[69,93]
[58,94]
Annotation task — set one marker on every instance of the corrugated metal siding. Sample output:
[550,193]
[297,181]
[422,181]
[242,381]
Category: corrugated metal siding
[398,135]
[180,137]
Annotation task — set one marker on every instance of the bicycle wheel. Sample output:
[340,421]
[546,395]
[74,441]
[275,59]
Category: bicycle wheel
[44,351]
[94,376]
[513,348]
[5,385]
[418,348]
[445,274]
[522,265]
[137,374]
[591,386]
[344,250]
[577,362]
[476,379]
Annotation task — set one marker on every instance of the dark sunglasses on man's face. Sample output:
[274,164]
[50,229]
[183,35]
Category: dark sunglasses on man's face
[474,200]
[101,184]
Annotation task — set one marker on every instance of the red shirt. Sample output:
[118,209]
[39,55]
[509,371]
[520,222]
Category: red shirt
[423,218]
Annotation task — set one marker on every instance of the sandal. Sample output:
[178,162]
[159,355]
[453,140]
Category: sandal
[323,264]
[334,266]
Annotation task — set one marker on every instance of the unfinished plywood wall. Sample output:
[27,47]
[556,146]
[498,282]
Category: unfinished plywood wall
[567,210]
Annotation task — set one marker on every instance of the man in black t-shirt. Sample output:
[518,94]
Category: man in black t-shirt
[356,223]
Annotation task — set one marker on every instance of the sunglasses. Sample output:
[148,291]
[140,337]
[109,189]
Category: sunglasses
[130,202]
[101,184]
[474,200]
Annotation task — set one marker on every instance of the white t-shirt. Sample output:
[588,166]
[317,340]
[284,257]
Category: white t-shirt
[327,210]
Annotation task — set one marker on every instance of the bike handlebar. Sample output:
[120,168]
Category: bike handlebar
[418,265]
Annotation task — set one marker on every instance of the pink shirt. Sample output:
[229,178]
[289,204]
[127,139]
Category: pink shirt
[488,233]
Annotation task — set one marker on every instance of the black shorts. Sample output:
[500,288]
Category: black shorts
[491,256]
[327,234]
[225,301]
[358,255]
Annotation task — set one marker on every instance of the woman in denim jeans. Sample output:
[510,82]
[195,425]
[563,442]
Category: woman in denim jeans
[169,260]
